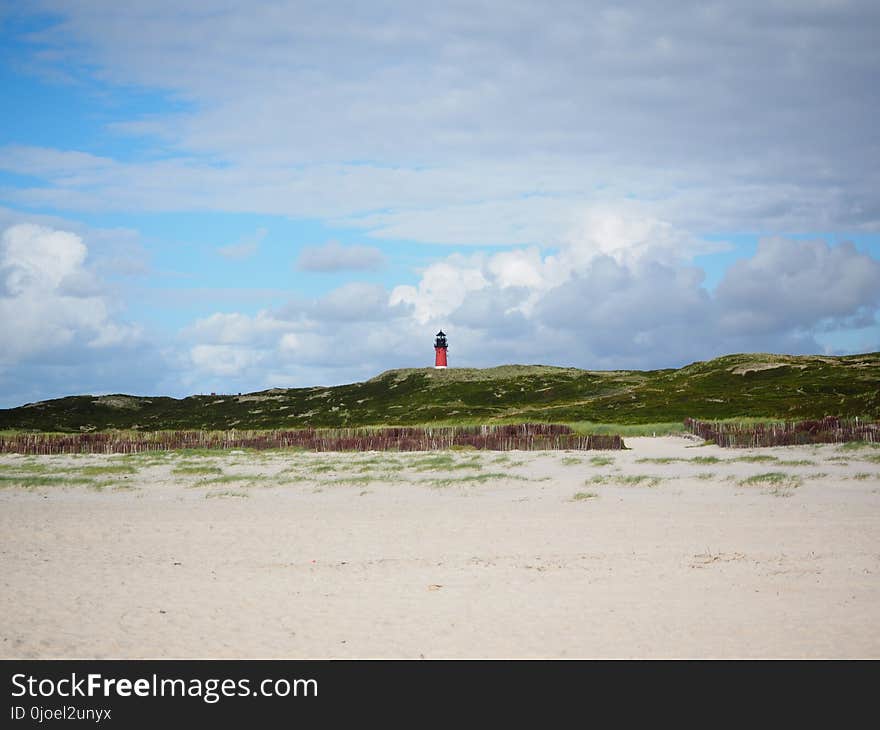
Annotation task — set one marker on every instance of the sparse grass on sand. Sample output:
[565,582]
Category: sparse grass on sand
[196,469]
[583,496]
[755,459]
[601,460]
[30,482]
[858,445]
[226,493]
[443,462]
[102,469]
[626,480]
[28,467]
[359,480]
[706,475]
[571,461]
[243,479]
[472,479]
[704,460]
[777,479]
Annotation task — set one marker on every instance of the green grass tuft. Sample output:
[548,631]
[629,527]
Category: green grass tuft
[108,469]
[755,459]
[704,460]
[196,469]
[772,479]
[626,480]
[30,482]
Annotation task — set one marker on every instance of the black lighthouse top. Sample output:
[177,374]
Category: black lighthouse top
[440,340]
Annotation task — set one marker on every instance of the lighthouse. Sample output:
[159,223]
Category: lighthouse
[440,350]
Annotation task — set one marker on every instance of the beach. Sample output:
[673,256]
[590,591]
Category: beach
[670,548]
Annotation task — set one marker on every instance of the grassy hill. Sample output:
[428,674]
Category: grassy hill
[756,385]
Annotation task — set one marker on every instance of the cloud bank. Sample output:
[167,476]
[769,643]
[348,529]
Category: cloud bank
[494,123]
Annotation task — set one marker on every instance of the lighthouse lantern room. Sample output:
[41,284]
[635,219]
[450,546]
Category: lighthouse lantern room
[440,350]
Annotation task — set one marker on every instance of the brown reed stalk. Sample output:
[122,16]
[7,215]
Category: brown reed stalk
[828,430]
[525,437]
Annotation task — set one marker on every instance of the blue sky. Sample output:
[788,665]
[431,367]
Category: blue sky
[215,198]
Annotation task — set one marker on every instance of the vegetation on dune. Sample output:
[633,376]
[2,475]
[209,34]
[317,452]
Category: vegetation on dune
[657,401]
[771,479]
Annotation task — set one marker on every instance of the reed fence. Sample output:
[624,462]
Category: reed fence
[524,437]
[829,430]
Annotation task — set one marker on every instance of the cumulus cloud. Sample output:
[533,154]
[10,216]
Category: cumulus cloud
[791,284]
[346,333]
[333,256]
[599,306]
[60,322]
[48,298]
[356,302]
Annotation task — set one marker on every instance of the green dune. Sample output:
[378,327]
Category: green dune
[735,386]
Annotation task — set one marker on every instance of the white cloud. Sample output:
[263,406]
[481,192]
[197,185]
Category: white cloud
[49,300]
[791,284]
[491,124]
[224,360]
[245,247]
[612,309]
[333,256]
[443,287]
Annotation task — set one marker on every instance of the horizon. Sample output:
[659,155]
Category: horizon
[311,195]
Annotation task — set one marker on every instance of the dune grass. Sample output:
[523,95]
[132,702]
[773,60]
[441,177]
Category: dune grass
[859,445]
[626,480]
[244,479]
[663,428]
[704,460]
[196,469]
[102,469]
[472,479]
[771,479]
[29,467]
[31,481]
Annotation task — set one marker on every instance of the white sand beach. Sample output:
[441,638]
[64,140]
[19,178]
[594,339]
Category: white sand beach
[668,549]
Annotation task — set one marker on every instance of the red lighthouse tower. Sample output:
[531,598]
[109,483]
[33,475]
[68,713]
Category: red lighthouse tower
[440,350]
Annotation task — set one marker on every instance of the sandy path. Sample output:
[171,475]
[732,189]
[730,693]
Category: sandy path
[693,566]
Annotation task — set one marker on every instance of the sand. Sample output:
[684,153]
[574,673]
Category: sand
[402,560]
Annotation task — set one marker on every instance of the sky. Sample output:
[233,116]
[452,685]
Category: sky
[226,197]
